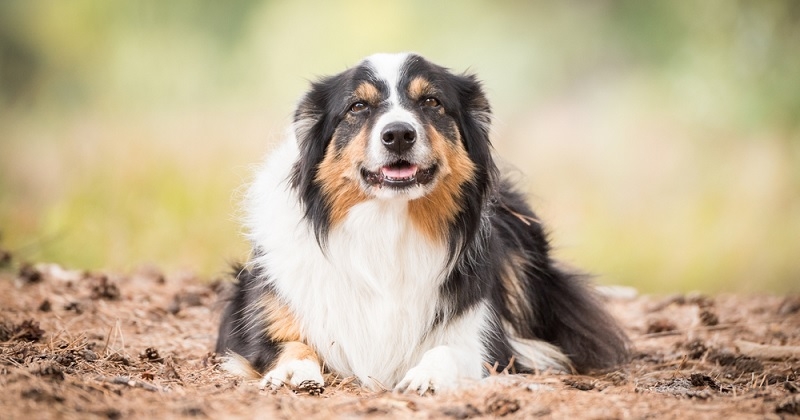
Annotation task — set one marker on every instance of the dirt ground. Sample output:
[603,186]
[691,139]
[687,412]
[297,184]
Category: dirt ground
[77,344]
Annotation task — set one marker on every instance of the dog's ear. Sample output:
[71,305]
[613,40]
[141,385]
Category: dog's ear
[309,113]
[473,115]
[313,130]
[475,119]
[315,121]
[475,103]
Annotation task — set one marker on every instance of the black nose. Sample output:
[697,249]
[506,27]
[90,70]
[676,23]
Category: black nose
[398,136]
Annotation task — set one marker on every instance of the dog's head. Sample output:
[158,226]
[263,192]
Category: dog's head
[395,126]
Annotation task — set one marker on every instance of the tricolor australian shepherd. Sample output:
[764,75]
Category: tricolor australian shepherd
[386,246]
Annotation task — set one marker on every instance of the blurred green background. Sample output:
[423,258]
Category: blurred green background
[660,141]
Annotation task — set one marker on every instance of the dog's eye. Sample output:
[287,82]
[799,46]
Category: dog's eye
[358,107]
[431,102]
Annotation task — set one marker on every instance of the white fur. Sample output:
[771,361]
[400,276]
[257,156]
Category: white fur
[293,373]
[366,305]
[539,355]
[456,354]
[237,365]
[387,67]
[436,371]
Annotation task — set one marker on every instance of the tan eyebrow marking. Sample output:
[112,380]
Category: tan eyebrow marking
[419,87]
[368,92]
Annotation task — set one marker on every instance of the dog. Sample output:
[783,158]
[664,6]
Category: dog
[386,246]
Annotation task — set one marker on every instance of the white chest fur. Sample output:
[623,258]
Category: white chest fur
[368,301]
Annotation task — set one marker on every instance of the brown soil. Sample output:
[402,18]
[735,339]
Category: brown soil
[92,345]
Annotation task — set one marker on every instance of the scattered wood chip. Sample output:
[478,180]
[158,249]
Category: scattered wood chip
[767,351]
[792,387]
[103,288]
[579,384]
[28,274]
[127,380]
[151,355]
[708,318]
[702,380]
[660,326]
[27,330]
[790,405]
[500,405]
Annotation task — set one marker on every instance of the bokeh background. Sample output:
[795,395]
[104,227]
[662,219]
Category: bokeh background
[660,141]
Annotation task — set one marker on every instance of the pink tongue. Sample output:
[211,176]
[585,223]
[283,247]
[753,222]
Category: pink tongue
[399,173]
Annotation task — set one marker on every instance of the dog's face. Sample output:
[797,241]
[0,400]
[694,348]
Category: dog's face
[395,126]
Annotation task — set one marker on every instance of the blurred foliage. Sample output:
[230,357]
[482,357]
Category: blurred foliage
[659,140]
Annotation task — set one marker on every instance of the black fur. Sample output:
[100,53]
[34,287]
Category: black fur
[562,311]
[241,332]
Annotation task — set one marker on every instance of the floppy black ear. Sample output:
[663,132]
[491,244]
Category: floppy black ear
[311,132]
[315,121]
[475,119]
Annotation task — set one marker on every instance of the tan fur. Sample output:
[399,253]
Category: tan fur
[282,326]
[434,212]
[511,278]
[281,322]
[295,350]
[368,92]
[418,88]
[338,176]
[239,366]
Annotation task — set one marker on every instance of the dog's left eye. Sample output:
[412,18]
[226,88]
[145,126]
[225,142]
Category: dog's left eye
[358,107]
[430,102]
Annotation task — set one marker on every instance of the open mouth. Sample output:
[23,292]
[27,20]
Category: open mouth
[399,174]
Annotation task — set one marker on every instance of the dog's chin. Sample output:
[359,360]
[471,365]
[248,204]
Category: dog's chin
[399,179]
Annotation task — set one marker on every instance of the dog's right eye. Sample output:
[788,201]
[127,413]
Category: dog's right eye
[358,107]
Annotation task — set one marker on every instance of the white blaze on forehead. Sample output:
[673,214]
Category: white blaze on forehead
[388,68]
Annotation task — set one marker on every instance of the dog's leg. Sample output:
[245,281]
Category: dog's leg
[438,370]
[456,355]
[297,366]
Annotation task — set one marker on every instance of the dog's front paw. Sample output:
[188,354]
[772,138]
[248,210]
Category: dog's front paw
[300,375]
[422,380]
[437,371]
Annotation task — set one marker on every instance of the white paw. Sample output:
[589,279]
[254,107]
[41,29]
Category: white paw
[300,375]
[437,371]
